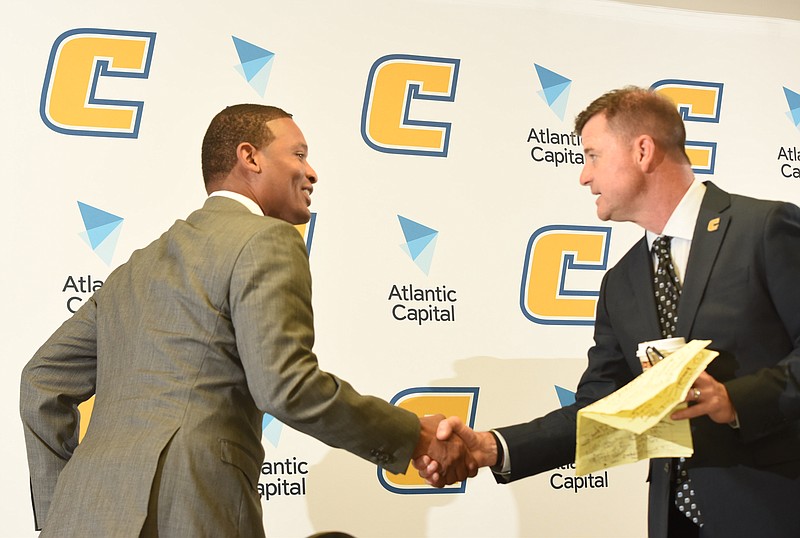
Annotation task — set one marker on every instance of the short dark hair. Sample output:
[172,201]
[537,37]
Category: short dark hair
[632,111]
[228,129]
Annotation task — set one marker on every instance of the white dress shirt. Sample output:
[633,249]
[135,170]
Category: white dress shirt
[242,199]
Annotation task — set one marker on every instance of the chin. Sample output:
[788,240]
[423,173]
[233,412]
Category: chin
[299,219]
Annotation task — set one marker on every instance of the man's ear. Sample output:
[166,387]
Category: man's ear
[246,156]
[645,152]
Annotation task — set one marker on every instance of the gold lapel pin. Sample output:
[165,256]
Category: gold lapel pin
[713,225]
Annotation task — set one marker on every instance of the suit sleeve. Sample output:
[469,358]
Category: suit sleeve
[60,376]
[769,399]
[272,316]
[549,441]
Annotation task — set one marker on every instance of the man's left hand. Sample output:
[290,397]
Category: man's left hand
[708,397]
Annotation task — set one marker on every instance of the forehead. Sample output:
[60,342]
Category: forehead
[597,126]
[286,132]
[597,133]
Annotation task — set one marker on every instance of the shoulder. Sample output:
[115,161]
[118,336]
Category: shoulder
[721,200]
[235,220]
[635,256]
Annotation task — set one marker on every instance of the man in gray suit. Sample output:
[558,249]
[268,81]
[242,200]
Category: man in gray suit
[186,346]
[736,262]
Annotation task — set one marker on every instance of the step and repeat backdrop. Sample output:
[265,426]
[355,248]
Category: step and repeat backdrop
[456,259]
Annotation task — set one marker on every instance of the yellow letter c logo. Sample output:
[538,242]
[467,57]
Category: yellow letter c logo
[79,59]
[556,262]
[395,82]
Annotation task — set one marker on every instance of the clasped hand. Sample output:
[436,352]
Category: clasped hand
[455,451]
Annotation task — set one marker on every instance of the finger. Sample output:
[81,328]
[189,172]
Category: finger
[693,411]
[433,480]
[433,467]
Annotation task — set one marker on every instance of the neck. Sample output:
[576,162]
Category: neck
[663,198]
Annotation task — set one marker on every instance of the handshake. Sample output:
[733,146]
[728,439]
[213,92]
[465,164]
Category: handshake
[448,451]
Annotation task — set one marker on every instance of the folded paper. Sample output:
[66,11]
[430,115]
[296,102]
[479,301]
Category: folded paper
[633,423]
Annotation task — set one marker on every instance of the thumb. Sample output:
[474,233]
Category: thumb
[448,427]
[466,433]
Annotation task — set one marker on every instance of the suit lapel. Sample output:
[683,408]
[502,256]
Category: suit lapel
[709,232]
[641,283]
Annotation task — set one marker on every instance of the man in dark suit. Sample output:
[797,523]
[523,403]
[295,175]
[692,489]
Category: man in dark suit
[186,346]
[737,263]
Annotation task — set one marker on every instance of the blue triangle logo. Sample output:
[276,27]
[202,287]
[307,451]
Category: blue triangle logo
[271,429]
[565,397]
[102,230]
[793,99]
[555,89]
[255,64]
[420,242]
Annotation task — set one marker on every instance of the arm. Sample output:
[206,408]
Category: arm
[271,310]
[769,399]
[549,441]
[60,376]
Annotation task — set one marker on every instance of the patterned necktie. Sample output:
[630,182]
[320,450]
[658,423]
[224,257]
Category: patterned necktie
[667,287]
[667,290]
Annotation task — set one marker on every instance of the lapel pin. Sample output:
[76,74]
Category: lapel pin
[713,225]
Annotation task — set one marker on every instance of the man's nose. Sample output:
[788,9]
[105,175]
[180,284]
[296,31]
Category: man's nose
[585,177]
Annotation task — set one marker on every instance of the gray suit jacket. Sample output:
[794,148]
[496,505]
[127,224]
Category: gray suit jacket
[186,346]
[740,291]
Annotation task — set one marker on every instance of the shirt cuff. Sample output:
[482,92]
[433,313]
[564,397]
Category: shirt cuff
[735,422]
[503,465]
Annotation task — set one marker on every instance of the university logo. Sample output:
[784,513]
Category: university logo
[558,260]
[420,243]
[555,90]
[697,101]
[101,231]
[79,62]
[255,64]
[395,83]
[793,100]
[461,402]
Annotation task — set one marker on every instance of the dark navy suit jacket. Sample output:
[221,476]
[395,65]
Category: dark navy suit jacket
[741,291]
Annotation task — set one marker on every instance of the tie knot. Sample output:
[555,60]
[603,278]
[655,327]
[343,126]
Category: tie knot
[661,246]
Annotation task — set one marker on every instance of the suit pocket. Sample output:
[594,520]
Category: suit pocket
[241,458]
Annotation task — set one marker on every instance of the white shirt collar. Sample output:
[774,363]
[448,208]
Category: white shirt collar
[242,199]
[682,221]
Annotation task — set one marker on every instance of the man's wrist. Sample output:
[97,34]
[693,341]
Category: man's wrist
[502,464]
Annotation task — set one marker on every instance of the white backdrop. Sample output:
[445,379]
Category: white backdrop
[486,199]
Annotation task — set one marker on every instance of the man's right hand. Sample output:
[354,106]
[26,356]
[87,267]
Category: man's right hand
[480,447]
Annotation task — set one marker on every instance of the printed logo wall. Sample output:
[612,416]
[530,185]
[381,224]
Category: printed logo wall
[456,259]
